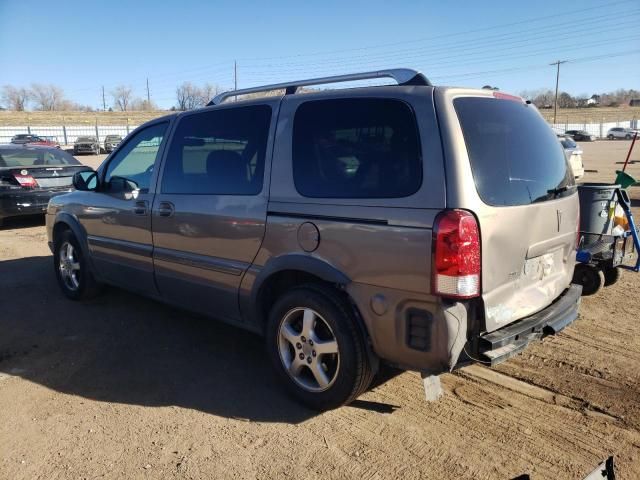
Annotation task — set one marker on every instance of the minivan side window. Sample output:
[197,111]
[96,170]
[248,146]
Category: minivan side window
[136,159]
[356,148]
[218,152]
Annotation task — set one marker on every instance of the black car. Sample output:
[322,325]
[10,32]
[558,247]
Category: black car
[31,175]
[580,135]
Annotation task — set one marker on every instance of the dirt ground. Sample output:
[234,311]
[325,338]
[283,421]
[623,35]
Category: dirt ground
[123,387]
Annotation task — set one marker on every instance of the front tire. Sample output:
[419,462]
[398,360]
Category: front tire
[610,137]
[316,347]
[72,269]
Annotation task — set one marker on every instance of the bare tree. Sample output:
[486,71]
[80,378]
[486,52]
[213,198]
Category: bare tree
[188,96]
[46,97]
[207,92]
[15,98]
[122,97]
[142,105]
[541,98]
[565,100]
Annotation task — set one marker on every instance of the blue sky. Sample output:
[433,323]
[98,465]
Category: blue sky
[82,46]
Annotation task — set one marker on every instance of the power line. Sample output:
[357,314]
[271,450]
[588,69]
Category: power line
[448,35]
[423,39]
[484,42]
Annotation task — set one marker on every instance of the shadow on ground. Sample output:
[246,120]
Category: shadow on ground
[126,349]
[22,222]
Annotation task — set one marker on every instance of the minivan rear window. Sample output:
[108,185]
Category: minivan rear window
[356,148]
[516,159]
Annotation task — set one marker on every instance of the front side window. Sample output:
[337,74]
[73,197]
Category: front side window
[356,148]
[134,162]
[218,152]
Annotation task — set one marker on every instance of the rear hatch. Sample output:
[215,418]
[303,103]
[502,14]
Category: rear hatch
[516,180]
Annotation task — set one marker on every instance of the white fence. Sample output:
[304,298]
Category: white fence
[598,129]
[66,134]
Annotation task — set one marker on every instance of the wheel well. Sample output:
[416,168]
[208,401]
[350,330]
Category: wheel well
[58,228]
[280,282]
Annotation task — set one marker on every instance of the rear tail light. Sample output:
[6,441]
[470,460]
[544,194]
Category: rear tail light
[456,255]
[26,181]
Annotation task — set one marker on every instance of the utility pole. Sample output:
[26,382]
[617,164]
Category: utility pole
[104,103]
[235,79]
[148,95]
[555,104]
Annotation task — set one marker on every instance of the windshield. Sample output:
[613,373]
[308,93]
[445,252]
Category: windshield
[85,139]
[112,137]
[35,157]
[515,157]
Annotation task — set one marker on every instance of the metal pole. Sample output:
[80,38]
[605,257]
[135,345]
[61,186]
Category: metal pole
[148,96]
[555,104]
[104,103]
[235,79]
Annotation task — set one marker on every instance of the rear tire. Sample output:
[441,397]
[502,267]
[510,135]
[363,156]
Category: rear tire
[627,137]
[611,276]
[318,351]
[591,278]
[610,137]
[72,269]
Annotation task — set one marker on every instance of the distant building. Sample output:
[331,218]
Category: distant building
[634,102]
[592,101]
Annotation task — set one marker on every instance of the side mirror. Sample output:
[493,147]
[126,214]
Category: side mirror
[85,181]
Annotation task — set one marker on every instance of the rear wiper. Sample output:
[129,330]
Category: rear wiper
[558,191]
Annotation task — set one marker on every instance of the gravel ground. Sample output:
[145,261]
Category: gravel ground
[123,387]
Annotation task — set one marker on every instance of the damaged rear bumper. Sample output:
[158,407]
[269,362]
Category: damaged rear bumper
[497,346]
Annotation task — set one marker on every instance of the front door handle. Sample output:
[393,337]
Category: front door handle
[165,209]
[141,207]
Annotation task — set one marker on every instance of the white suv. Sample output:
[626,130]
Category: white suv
[620,132]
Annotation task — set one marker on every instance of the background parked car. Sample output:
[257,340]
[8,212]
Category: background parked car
[580,135]
[29,139]
[45,141]
[22,138]
[31,175]
[619,132]
[574,155]
[111,142]
[86,145]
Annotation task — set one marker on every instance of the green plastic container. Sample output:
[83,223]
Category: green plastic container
[624,179]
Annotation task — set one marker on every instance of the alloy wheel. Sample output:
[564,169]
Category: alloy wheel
[308,349]
[69,266]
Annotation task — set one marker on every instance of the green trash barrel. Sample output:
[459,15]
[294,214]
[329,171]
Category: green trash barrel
[597,206]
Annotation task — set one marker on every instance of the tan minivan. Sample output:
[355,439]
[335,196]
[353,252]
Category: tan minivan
[425,227]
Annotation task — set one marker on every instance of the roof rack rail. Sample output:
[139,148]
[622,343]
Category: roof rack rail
[404,76]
